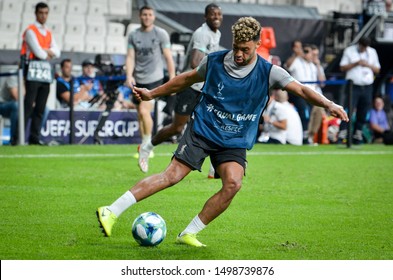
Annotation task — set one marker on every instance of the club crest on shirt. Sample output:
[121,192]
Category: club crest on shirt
[220,87]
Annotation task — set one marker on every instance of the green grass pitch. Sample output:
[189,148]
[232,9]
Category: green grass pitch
[296,203]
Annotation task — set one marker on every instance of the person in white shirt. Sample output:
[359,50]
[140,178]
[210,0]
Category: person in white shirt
[303,70]
[317,113]
[294,131]
[360,63]
[275,120]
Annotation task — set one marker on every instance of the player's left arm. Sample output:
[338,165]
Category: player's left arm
[169,62]
[165,44]
[317,99]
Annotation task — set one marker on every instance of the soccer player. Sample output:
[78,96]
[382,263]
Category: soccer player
[147,46]
[205,40]
[223,126]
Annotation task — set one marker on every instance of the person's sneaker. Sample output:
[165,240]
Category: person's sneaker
[311,142]
[341,141]
[357,141]
[136,155]
[210,175]
[189,239]
[143,160]
[357,138]
[106,219]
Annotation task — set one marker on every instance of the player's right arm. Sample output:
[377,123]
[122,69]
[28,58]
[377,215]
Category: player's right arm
[130,66]
[177,84]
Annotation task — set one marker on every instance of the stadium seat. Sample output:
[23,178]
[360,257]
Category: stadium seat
[73,43]
[120,7]
[95,25]
[77,7]
[9,23]
[12,7]
[94,44]
[57,8]
[115,45]
[96,30]
[75,29]
[75,24]
[8,42]
[116,29]
[97,8]
[57,28]
[104,2]
[74,18]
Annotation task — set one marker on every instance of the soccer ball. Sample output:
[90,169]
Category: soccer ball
[149,229]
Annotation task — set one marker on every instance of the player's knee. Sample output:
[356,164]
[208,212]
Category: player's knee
[143,112]
[232,186]
[172,177]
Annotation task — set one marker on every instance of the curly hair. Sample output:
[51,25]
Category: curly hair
[246,29]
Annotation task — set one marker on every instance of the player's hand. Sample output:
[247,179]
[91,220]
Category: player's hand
[142,94]
[130,82]
[338,111]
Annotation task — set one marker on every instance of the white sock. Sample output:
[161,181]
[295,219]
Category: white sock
[194,227]
[122,203]
[146,139]
[149,146]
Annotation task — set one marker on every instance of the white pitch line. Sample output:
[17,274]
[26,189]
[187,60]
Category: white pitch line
[170,154]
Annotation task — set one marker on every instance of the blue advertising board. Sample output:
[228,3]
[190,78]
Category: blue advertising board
[121,127]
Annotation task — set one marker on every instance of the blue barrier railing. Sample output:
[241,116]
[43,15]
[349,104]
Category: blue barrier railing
[328,82]
[7,74]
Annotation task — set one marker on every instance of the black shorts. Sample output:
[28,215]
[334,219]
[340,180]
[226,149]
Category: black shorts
[186,101]
[193,149]
[148,86]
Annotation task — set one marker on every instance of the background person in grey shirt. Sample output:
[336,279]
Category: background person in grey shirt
[145,68]
[205,40]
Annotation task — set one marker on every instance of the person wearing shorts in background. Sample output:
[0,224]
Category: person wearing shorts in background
[205,39]
[145,68]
